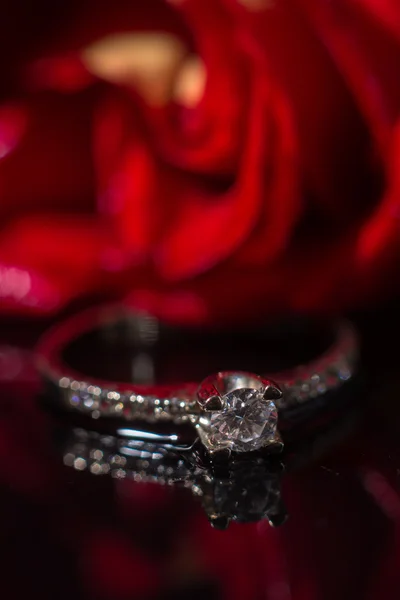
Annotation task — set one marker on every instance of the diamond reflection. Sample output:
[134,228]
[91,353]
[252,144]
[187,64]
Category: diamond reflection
[242,490]
[245,488]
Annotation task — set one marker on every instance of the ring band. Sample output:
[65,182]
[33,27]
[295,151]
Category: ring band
[231,410]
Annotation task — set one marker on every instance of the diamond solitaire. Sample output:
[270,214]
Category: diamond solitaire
[238,413]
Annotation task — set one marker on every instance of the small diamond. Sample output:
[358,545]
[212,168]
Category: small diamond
[247,422]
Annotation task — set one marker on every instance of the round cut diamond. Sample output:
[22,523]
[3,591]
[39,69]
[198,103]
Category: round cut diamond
[247,421]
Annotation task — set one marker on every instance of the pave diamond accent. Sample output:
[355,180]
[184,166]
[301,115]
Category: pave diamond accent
[247,422]
[179,407]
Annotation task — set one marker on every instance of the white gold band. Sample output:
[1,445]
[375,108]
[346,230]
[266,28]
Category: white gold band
[182,403]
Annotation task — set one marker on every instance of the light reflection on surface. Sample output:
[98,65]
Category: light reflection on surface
[244,489]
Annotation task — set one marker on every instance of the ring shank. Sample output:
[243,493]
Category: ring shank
[176,403]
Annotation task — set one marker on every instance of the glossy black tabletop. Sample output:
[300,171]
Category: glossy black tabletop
[70,533]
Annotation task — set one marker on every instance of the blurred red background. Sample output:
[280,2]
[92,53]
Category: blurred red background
[209,160]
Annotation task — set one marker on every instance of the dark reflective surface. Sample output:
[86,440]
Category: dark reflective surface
[69,533]
[244,489]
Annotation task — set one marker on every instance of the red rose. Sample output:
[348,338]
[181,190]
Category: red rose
[207,159]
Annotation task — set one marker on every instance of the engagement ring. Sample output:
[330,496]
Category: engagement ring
[231,411]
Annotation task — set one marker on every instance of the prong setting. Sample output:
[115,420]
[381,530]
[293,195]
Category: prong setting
[209,398]
[220,455]
[277,446]
[238,413]
[214,403]
[272,391]
[219,522]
